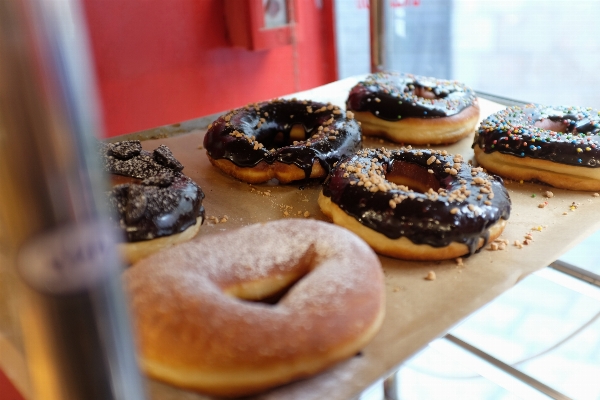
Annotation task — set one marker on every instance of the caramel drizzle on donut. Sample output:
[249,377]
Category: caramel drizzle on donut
[288,131]
[393,96]
[386,191]
[567,135]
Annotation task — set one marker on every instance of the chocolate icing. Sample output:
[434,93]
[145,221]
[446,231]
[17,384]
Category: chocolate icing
[162,202]
[393,96]
[452,213]
[513,131]
[261,132]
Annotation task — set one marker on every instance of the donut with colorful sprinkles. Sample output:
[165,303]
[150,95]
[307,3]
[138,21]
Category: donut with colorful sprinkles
[411,109]
[416,204]
[559,146]
[289,140]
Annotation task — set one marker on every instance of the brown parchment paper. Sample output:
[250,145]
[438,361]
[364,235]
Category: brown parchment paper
[417,310]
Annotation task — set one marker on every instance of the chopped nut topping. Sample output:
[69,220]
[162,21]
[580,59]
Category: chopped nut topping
[430,276]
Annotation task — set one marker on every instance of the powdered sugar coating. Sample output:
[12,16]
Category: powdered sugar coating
[180,302]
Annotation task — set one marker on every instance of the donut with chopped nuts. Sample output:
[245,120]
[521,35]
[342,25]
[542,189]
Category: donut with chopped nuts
[155,205]
[289,140]
[237,313]
[559,146]
[416,204]
[411,109]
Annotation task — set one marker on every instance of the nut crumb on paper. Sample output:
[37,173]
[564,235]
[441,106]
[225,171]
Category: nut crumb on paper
[213,219]
[498,244]
[430,276]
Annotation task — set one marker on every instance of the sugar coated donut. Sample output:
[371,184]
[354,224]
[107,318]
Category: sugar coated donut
[413,109]
[555,145]
[285,139]
[202,322]
[156,205]
[416,204]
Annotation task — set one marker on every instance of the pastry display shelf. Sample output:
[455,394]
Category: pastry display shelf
[418,310]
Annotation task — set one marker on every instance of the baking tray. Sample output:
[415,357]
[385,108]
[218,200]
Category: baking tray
[417,310]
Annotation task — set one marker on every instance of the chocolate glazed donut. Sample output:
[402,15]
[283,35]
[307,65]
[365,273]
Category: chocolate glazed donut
[559,146]
[284,139]
[413,109]
[416,204]
[156,201]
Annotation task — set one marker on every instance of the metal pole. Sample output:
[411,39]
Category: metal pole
[377,35]
[390,387]
[73,314]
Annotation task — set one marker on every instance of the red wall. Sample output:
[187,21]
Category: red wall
[165,61]
[7,390]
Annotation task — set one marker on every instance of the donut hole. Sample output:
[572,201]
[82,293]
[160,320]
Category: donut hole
[271,289]
[268,291]
[298,133]
[413,176]
[276,139]
[424,93]
[552,125]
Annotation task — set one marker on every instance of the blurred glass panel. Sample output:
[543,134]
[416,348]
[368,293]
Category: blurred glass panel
[585,254]
[444,371]
[547,326]
[539,51]
[532,50]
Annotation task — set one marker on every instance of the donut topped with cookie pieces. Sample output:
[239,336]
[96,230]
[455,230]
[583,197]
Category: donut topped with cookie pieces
[154,199]
[284,139]
[427,196]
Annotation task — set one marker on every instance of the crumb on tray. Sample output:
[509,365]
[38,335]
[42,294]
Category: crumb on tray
[430,276]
